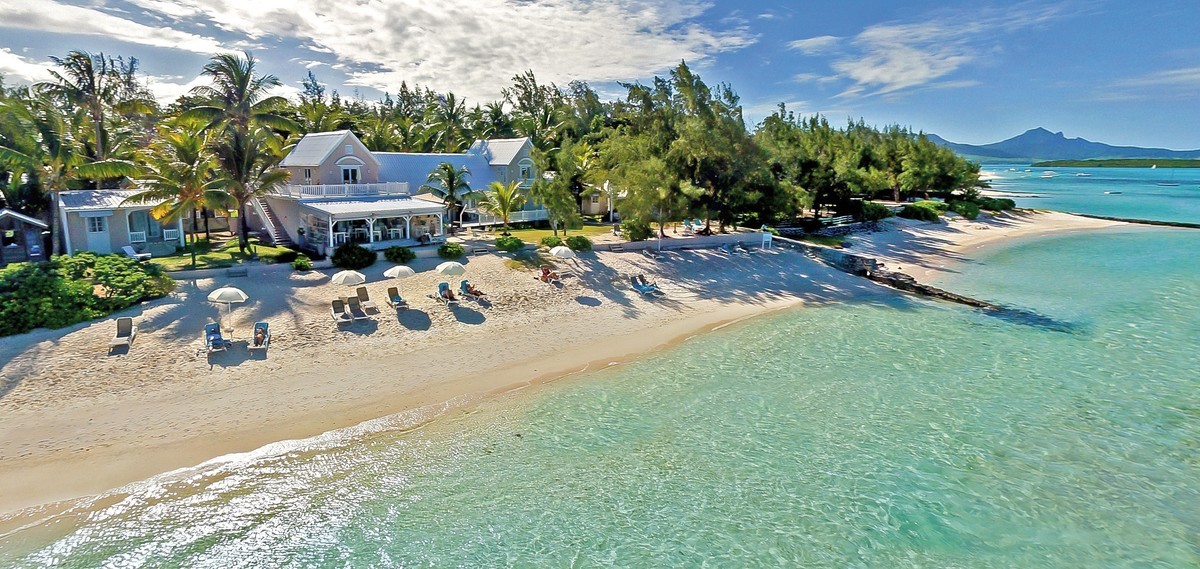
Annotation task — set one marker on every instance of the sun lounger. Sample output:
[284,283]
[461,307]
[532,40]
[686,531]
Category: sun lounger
[133,254]
[337,308]
[464,288]
[548,275]
[263,331]
[644,287]
[126,332]
[394,299]
[213,342]
[364,299]
[354,307]
[443,292]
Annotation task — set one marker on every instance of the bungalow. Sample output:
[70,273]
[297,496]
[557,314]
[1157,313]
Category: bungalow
[20,238]
[101,221]
[342,192]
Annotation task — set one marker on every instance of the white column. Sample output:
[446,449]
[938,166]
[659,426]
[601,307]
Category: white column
[179,227]
[66,229]
[441,224]
[329,230]
[371,230]
[408,227]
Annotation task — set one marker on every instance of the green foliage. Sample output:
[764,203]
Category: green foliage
[399,255]
[966,209]
[552,241]
[636,230]
[872,211]
[67,290]
[509,244]
[451,251]
[282,257]
[302,263]
[579,243]
[353,256]
[922,210]
[995,204]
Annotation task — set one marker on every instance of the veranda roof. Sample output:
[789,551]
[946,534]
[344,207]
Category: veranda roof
[377,209]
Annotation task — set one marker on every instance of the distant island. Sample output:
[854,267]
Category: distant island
[1119,163]
[1039,144]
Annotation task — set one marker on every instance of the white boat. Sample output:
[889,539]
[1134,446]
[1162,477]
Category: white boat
[1049,174]
[1082,174]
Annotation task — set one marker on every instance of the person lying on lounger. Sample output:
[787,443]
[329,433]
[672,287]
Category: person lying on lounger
[548,275]
[474,291]
[448,294]
[260,336]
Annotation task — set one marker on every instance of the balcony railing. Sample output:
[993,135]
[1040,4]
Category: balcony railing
[137,236]
[317,191]
[481,218]
[170,235]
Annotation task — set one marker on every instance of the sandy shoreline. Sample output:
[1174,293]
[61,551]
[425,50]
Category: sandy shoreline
[76,422]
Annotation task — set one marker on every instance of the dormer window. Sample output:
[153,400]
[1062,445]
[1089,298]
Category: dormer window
[527,172]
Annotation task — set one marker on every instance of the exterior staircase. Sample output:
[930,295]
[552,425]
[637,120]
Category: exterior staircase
[274,228]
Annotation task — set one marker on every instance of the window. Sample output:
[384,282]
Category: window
[97,224]
[308,175]
[595,199]
[349,174]
[526,170]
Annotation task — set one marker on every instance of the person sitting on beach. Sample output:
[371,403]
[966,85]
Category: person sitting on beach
[548,275]
[260,336]
[474,291]
[448,294]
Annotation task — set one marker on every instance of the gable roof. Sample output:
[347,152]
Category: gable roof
[501,151]
[315,148]
[414,168]
[22,217]
[81,200]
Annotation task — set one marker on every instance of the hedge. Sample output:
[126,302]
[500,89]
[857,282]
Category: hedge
[636,230]
[353,256]
[579,243]
[509,243]
[966,209]
[451,251]
[552,241]
[302,263]
[921,211]
[872,211]
[399,255]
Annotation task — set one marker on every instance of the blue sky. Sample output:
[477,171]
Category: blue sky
[975,72]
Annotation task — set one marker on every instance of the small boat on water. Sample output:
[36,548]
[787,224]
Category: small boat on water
[1083,174]
[1049,174]
[1111,193]
[1167,184]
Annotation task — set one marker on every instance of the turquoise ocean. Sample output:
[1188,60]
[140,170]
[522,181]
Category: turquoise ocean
[904,433]
[1163,194]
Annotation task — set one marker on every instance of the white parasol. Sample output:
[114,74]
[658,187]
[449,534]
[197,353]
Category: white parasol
[451,268]
[348,278]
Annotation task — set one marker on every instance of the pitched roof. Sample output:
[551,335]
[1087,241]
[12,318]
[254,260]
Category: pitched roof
[22,217]
[414,168]
[80,200]
[316,147]
[501,151]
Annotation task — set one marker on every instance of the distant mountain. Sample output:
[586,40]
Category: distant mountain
[1040,144]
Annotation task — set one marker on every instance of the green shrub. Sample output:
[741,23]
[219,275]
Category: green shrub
[579,243]
[552,241]
[636,230]
[399,255]
[302,263]
[940,207]
[965,209]
[995,204]
[353,256]
[509,243]
[285,257]
[921,212]
[451,251]
[872,211]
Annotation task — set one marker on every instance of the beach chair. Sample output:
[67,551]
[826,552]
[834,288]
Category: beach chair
[644,287]
[443,292]
[263,331]
[464,288]
[548,275]
[364,299]
[213,342]
[394,299]
[354,307]
[337,309]
[126,332]
[133,254]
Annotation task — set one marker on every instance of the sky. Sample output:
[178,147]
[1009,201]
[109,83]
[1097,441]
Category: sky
[975,72]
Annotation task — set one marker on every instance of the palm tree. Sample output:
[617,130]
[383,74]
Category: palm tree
[451,184]
[181,174]
[240,111]
[45,146]
[502,200]
[96,84]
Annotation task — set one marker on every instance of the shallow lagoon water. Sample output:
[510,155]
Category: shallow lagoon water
[900,434]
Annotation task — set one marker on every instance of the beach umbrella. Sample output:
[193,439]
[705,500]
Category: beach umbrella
[399,272]
[348,278]
[451,269]
[227,295]
[562,252]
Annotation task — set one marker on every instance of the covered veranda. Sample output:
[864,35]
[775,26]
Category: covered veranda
[375,224]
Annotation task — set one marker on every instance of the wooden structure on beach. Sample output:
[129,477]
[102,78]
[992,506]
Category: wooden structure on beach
[20,238]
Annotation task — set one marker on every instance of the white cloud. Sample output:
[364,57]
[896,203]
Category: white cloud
[18,68]
[475,48]
[814,46]
[55,17]
[1169,84]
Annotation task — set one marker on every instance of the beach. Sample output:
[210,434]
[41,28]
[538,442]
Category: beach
[75,421]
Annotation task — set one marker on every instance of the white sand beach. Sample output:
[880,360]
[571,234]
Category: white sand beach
[76,420]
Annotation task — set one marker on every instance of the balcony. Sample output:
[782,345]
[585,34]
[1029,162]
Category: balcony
[321,191]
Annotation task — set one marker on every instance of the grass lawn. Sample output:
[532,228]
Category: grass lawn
[536,235]
[823,240]
[226,255]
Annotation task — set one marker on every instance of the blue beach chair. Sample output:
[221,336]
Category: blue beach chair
[213,342]
[445,295]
